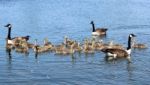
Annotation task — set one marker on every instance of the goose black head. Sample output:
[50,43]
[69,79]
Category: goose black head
[8,25]
[132,35]
[28,36]
[92,22]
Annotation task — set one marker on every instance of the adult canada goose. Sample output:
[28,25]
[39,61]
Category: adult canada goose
[13,41]
[98,31]
[113,53]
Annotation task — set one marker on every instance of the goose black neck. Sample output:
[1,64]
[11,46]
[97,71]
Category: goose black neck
[9,33]
[129,43]
[93,27]
[36,51]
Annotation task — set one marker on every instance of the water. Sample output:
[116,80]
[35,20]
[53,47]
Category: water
[56,18]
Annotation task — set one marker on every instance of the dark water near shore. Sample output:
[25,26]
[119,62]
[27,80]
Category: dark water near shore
[56,18]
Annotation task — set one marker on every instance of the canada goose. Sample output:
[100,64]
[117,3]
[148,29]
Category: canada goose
[67,41]
[98,31]
[23,47]
[59,48]
[119,53]
[138,45]
[63,50]
[12,41]
[109,45]
[22,50]
[77,47]
[68,50]
[30,45]
[48,44]
[100,46]
[88,48]
[39,49]
[115,46]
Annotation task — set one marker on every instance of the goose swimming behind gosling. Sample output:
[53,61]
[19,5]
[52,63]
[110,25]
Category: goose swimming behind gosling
[98,31]
[12,41]
[113,53]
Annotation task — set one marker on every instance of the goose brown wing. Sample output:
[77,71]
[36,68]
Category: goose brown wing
[120,53]
[21,38]
[101,29]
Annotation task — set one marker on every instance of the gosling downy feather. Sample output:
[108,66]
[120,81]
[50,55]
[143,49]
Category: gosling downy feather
[39,49]
[138,45]
[87,48]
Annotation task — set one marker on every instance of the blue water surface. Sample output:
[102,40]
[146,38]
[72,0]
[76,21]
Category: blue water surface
[53,19]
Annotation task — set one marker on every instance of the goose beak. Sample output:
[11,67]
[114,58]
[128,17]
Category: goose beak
[7,25]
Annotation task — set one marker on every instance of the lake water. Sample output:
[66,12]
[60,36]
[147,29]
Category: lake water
[53,19]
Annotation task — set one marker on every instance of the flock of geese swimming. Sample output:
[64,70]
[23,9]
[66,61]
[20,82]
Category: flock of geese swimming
[69,46]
